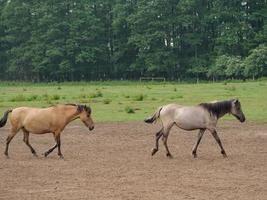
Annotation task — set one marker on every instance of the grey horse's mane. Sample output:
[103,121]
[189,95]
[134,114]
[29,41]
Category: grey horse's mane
[218,108]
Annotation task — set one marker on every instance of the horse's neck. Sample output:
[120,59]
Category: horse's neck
[70,113]
[223,112]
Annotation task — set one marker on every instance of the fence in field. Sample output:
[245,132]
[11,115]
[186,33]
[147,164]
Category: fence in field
[152,79]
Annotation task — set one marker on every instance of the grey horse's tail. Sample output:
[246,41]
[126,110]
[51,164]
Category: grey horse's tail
[154,117]
[4,118]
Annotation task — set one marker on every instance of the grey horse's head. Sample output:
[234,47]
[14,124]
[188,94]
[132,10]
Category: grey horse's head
[236,110]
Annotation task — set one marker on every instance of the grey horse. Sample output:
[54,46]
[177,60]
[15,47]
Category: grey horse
[203,116]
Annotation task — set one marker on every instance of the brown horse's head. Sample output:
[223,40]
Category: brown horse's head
[236,110]
[85,116]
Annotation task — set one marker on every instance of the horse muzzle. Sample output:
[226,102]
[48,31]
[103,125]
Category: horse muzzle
[243,119]
[91,128]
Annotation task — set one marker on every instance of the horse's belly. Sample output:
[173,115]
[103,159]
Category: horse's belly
[36,125]
[190,121]
[37,131]
[189,126]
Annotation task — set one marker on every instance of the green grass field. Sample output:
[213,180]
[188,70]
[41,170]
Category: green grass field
[127,101]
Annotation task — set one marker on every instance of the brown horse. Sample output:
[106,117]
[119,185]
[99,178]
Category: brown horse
[203,117]
[45,120]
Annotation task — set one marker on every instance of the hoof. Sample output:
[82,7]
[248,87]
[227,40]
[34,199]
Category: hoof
[224,154]
[61,156]
[6,154]
[194,154]
[153,151]
[35,155]
[169,155]
[45,154]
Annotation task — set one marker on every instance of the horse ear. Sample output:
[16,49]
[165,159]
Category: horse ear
[236,101]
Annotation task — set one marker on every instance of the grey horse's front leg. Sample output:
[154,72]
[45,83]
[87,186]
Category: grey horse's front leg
[215,135]
[156,148]
[200,134]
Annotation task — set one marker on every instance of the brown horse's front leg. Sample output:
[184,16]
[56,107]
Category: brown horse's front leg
[50,150]
[58,146]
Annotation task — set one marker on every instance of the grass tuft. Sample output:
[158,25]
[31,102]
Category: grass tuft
[139,97]
[106,101]
[129,110]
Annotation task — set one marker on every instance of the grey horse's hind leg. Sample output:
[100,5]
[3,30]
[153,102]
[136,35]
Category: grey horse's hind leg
[215,135]
[26,140]
[165,139]
[200,134]
[158,136]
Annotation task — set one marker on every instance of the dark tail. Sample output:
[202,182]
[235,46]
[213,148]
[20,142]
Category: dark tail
[4,118]
[156,115]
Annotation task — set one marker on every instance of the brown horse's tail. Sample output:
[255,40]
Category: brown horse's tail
[154,117]
[4,118]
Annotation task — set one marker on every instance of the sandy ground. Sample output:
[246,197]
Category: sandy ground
[114,162]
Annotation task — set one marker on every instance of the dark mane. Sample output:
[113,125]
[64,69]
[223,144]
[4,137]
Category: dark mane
[80,108]
[71,104]
[219,108]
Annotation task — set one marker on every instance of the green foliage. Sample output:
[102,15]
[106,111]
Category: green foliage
[234,68]
[96,94]
[55,97]
[256,62]
[106,101]
[18,98]
[252,95]
[102,40]
[129,110]
[139,97]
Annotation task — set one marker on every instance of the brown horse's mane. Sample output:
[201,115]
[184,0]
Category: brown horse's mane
[80,107]
[218,108]
[71,104]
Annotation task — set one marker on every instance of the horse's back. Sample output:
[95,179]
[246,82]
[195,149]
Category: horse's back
[185,117]
[32,119]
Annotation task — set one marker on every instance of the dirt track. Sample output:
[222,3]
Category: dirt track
[114,162]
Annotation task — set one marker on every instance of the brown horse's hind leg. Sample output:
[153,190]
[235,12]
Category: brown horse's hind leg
[9,138]
[215,135]
[26,140]
[156,148]
[200,134]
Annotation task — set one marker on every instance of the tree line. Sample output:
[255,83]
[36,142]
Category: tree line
[72,40]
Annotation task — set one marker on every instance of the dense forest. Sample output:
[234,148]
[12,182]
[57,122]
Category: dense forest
[72,40]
